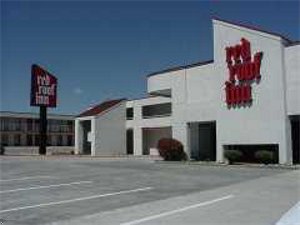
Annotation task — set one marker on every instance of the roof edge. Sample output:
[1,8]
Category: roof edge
[176,68]
[118,101]
[251,27]
[147,97]
[112,107]
[293,44]
[35,113]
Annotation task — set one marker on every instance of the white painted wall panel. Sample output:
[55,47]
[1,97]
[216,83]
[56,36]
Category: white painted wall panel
[292,65]
[110,132]
[265,122]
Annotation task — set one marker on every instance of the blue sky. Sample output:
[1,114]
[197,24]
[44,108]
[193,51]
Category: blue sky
[102,50]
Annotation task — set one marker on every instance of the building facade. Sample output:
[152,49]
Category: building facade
[247,97]
[22,129]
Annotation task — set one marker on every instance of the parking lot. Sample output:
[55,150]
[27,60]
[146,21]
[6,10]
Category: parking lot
[54,190]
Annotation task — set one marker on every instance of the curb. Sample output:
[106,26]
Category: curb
[213,164]
[77,157]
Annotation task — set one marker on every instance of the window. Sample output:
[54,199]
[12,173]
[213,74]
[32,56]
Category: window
[16,124]
[17,139]
[10,124]
[55,126]
[53,140]
[36,125]
[22,124]
[37,140]
[49,140]
[158,110]
[129,113]
[29,140]
[70,140]
[29,124]
[65,126]
[4,139]
[61,125]
[52,127]
[2,123]
[59,140]
[7,124]
[70,126]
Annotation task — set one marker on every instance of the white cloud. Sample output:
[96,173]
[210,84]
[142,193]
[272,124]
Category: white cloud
[78,91]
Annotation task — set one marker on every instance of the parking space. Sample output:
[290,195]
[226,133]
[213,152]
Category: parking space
[53,190]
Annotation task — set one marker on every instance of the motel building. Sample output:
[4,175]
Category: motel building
[247,97]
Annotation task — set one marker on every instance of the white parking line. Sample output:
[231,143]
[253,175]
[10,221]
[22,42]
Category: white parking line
[76,199]
[26,178]
[291,216]
[157,216]
[48,186]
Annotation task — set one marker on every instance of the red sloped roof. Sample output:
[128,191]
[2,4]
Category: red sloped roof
[95,110]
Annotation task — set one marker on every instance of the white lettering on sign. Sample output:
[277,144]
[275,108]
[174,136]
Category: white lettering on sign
[44,90]
[43,87]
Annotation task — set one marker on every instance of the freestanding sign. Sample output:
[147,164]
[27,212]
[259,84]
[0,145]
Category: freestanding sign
[43,87]
[43,94]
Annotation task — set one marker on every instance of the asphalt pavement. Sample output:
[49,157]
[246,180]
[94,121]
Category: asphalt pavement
[74,190]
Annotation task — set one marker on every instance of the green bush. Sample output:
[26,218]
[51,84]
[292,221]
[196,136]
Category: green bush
[233,155]
[265,157]
[171,150]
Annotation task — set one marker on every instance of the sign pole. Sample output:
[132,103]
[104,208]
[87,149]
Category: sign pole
[43,130]
[43,94]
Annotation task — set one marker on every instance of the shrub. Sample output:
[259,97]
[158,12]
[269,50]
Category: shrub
[233,155]
[171,150]
[265,157]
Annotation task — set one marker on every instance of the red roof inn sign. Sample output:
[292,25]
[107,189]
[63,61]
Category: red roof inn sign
[243,71]
[43,87]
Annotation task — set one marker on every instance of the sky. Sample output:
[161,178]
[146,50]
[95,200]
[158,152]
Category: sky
[102,50]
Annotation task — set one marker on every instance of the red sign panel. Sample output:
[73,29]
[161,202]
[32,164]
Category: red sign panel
[243,71]
[43,87]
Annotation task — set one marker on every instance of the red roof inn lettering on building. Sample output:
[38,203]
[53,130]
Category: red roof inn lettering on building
[43,87]
[243,70]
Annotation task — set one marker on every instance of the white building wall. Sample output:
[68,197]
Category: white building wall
[265,122]
[201,93]
[180,132]
[160,82]
[138,123]
[198,94]
[110,132]
[292,65]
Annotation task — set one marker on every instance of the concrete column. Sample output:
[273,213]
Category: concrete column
[181,132]
[220,149]
[285,146]
[93,137]
[220,153]
[137,141]
[78,136]
[137,112]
